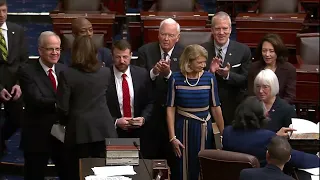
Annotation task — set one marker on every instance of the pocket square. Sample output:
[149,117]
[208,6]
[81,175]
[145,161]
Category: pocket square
[236,65]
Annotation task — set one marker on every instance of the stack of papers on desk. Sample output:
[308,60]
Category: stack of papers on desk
[93,177]
[111,173]
[315,172]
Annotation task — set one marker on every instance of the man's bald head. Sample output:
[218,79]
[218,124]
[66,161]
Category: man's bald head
[82,26]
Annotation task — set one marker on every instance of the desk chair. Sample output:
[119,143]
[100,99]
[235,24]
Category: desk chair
[226,165]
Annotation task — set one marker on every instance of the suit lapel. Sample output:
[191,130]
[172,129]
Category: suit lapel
[45,79]
[10,35]
[113,90]
[135,84]
[228,56]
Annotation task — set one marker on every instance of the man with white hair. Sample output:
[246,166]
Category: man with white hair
[39,83]
[234,59]
[161,59]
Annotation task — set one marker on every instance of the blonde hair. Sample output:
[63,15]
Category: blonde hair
[191,53]
[267,77]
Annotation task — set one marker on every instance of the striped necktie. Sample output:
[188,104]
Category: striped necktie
[3,46]
[220,54]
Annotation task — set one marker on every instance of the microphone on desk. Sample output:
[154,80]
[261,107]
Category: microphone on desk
[137,146]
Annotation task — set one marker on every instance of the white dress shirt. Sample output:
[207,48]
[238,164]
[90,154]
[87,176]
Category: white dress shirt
[118,82]
[46,69]
[152,75]
[4,30]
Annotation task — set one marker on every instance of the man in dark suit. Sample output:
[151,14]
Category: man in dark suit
[235,59]
[82,26]
[13,53]
[130,107]
[161,59]
[278,154]
[39,82]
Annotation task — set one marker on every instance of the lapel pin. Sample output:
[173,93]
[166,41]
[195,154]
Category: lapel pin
[230,54]
[273,110]
[12,32]
[175,59]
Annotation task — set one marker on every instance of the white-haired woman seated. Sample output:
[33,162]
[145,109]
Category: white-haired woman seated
[266,88]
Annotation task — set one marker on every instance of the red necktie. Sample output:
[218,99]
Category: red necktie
[52,79]
[126,97]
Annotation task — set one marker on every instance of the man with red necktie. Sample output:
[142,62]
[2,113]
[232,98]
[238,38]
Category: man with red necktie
[38,82]
[129,95]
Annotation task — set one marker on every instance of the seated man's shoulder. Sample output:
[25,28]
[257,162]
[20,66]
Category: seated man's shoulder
[148,46]
[104,50]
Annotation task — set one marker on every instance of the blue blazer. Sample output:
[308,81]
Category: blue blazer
[104,56]
[269,172]
[255,142]
[280,115]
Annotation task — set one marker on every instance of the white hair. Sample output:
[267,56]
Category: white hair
[269,78]
[170,21]
[45,35]
[220,15]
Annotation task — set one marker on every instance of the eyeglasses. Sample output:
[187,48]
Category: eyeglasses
[170,36]
[52,49]
[263,87]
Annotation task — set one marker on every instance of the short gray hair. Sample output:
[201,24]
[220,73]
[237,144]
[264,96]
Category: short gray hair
[267,77]
[170,21]
[220,15]
[44,35]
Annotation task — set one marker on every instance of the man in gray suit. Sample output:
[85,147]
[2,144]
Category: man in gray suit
[235,59]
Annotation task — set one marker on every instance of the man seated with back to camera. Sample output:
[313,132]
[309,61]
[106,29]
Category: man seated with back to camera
[82,26]
[277,155]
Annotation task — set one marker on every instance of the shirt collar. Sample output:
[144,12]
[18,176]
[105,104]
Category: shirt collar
[224,47]
[169,53]
[46,68]
[118,73]
[4,26]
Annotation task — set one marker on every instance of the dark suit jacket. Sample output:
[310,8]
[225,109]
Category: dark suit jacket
[148,55]
[18,55]
[287,77]
[280,115]
[40,98]
[255,141]
[143,102]
[232,91]
[82,100]
[104,56]
[269,172]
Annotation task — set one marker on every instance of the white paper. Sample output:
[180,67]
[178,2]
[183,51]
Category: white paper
[313,171]
[314,177]
[93,177]
[304,126]
[236,65]
[108,171]
[58,131]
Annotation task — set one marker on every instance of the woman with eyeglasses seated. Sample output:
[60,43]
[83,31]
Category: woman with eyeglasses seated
[272,54]
[192,99]
[249,135]
[266,88]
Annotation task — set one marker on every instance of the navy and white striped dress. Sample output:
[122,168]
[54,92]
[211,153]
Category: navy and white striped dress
[193,122]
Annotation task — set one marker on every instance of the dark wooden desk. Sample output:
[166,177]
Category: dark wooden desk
[311,7]
[100,22]
[251,27]
[307,91]
[232,6]
[86,164]
[151,21]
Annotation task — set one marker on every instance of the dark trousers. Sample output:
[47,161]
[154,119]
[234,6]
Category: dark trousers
[162,148]
[35,163]
[13,115]
[86,150]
